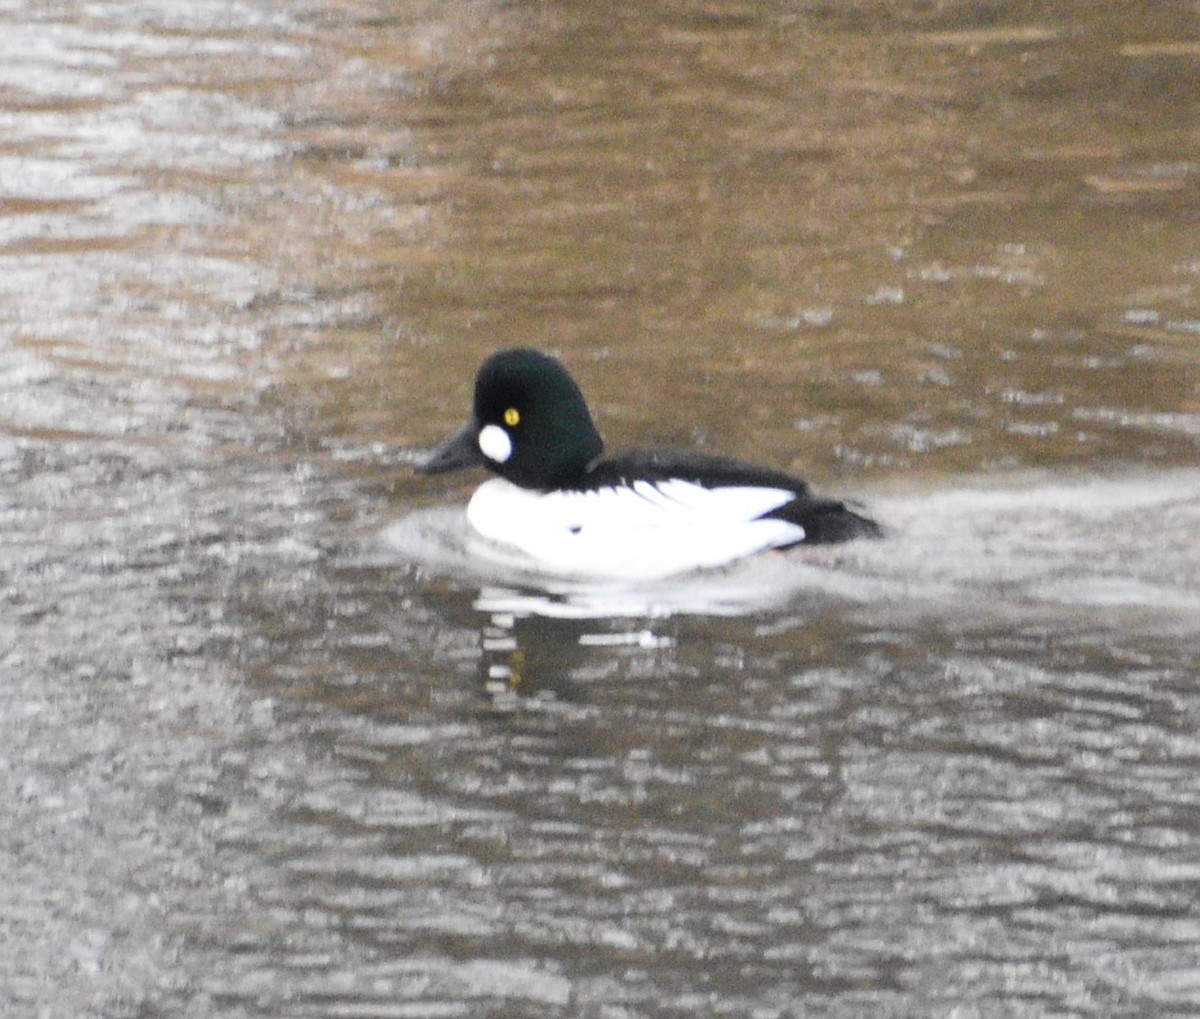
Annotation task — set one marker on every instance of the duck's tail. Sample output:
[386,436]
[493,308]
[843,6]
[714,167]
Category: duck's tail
[827,521]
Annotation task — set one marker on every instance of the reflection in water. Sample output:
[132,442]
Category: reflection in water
[275,741]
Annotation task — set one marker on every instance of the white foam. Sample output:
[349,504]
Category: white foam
[1016,546]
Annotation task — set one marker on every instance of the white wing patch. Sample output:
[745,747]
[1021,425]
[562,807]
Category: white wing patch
[643,531]
[731,504]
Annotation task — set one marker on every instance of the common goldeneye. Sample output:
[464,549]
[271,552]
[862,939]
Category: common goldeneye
[641,515]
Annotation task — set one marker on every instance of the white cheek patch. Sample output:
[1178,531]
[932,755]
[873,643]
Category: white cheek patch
[495,443]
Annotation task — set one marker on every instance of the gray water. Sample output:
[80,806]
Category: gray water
[273,743]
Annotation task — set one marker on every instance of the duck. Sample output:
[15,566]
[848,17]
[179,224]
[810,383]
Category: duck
[648,514]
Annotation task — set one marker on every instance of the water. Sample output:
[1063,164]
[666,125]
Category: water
[272,742]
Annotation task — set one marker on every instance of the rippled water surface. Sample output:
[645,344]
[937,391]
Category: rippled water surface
[274,743]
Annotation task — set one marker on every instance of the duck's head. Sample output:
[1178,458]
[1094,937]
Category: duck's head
[529,424]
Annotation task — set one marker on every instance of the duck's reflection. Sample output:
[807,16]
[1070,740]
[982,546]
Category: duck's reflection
[540,646]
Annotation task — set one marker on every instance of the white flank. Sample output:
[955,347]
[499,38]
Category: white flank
[495,443]
[643,532]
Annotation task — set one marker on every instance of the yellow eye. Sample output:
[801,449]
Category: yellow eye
[512,417]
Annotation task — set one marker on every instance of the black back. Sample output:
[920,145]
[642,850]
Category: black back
[825,521]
